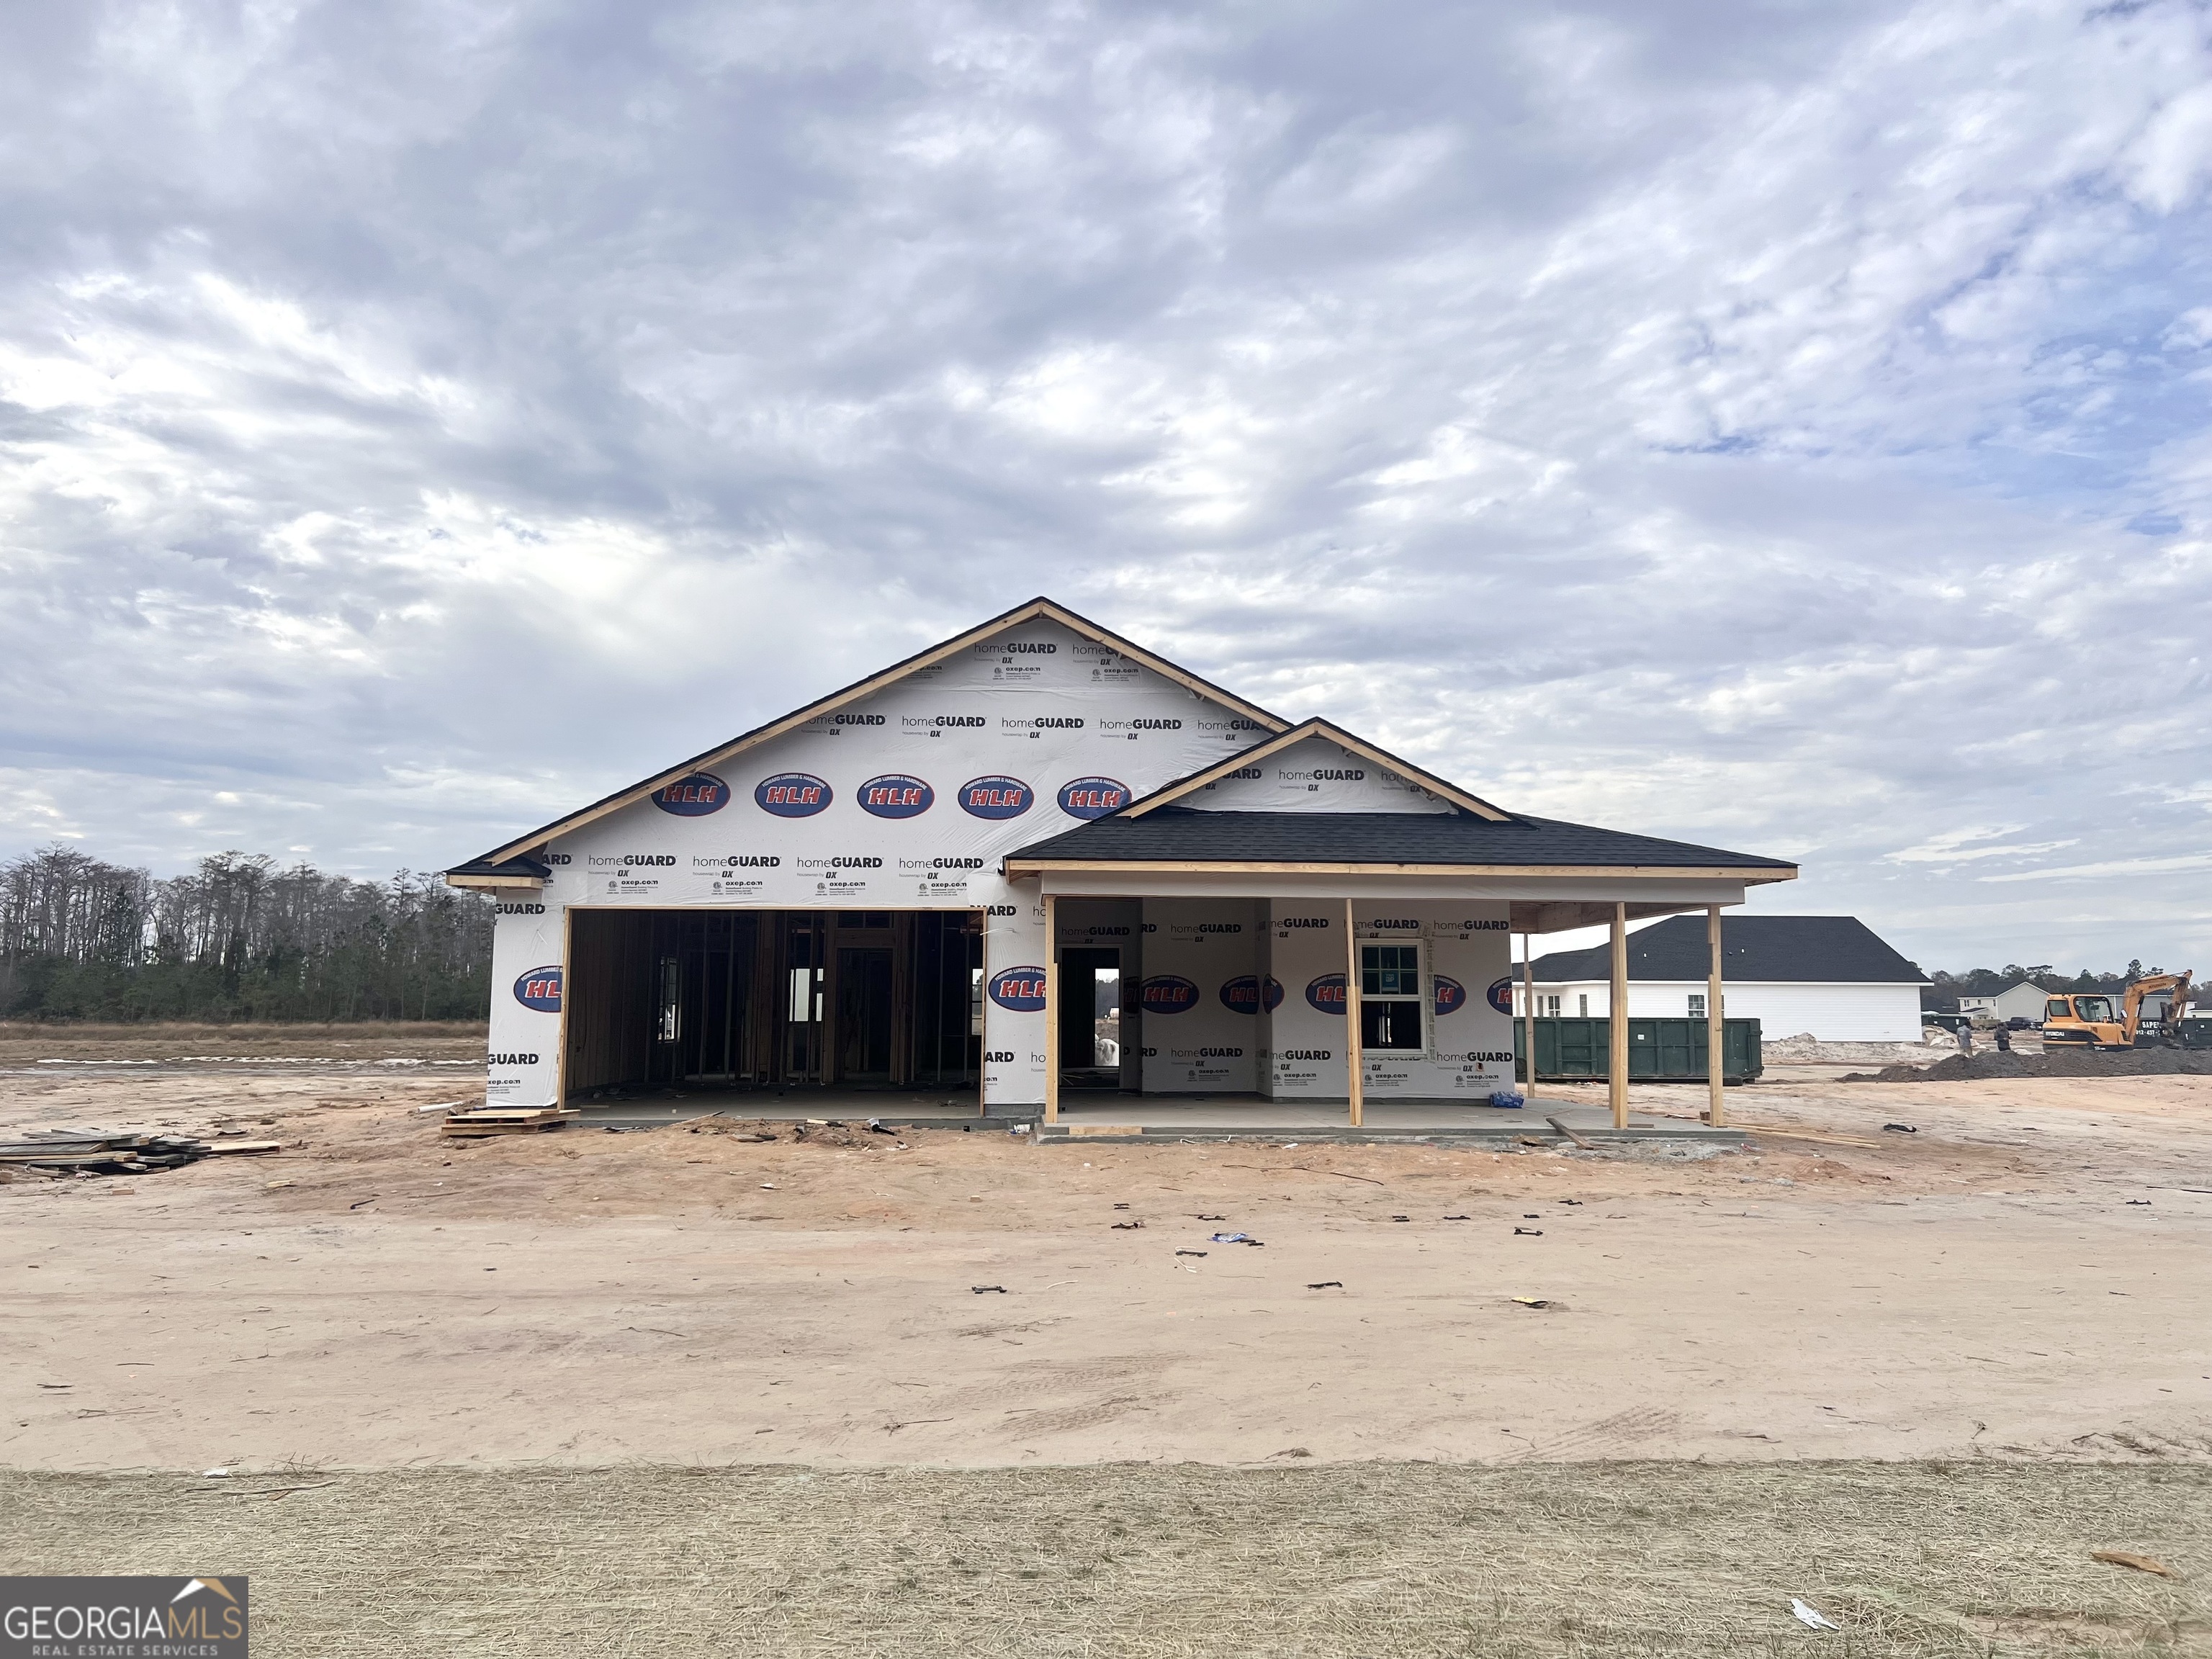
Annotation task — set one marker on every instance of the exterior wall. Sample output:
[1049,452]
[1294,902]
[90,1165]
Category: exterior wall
[1305,1058]
[1467,1051]
[1466,956]
[1315,775]
[528,981]
[1197,1038]
[1832,1012]
[1049,727]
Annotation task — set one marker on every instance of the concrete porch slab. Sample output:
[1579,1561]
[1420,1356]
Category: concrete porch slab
[1094,1119]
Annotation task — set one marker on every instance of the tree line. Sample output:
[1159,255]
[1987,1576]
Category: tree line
[238,938]
[1941,996]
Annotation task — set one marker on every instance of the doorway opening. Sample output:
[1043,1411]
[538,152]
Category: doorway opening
[1090,1030]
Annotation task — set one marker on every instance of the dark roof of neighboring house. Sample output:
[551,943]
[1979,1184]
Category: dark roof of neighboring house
[1179,835]
[1816,949]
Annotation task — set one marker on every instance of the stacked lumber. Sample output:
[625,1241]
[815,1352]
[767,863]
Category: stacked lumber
[68,1151]
[507,1120]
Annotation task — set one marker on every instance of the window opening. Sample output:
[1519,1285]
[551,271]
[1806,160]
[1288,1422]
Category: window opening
[1391,996]
[672,999]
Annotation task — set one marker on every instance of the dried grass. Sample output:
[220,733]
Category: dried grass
[1366,1560]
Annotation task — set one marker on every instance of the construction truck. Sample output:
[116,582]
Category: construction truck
[2149,1016]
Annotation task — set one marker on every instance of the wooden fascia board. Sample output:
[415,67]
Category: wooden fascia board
[1036,609]
[1016,868]
[1314,728]
[494,884]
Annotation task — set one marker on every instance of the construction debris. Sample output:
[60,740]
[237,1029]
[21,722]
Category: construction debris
[507,1120]
[1586,1146]
[64,1152]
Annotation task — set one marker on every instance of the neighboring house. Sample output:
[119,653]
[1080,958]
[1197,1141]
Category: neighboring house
[1830,976]
[2022,1001]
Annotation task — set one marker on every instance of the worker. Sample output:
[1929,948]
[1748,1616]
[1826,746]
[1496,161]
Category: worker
[1965,1037]
[2004,1034]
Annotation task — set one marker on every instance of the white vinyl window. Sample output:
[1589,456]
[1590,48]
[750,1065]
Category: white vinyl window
[1697,1005]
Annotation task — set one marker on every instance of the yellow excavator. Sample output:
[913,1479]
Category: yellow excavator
[2149,1016]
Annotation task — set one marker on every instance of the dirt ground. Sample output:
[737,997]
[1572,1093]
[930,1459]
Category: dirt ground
[1651,1560]
[2023,1278]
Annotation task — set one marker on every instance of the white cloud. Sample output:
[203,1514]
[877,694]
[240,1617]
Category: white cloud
[1781,430]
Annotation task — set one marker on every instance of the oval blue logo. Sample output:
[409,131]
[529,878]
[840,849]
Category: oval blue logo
[894,795]
[996,798]
[1242,994]
[792,794]
[1327,993]
[1021,989]
[540,988]
[693,797]
[1093,798]
[1451,995]
[1501,996]
[1167,994]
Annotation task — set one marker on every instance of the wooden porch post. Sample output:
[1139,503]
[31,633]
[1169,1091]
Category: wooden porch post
[1529,1007]
[1051,1012]
[1716,1033]
[1353,1059]
[1617,1067]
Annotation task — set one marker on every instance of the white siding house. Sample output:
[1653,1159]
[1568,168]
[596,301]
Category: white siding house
[1828,976]
[2022,1001]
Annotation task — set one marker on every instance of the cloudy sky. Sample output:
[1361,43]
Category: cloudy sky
[1780,425]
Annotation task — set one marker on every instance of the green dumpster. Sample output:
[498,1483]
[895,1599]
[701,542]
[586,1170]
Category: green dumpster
[1659,1050]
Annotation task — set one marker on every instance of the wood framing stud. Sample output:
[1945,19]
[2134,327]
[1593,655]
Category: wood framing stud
[1716,1031]
[1354,1062]
[1529,1008]
[1617,1066]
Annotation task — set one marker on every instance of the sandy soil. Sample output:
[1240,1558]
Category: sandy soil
[1430,1561]
[2024,1277]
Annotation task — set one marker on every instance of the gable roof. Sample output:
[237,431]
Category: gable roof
[1037,609]
[1800,949]
[1456,842]
[1170,793]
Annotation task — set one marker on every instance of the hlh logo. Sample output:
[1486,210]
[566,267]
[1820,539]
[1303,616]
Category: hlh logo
[1501,996]
[1248,993]
[1093,798]
[693,797]
[894,795]
[1451,995]
[1020,989]
[1167,994]
[540,988]
[793,795]
[996,798]
[1327,993]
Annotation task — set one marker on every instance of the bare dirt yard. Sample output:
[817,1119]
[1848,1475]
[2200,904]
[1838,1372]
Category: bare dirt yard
[1583,1402]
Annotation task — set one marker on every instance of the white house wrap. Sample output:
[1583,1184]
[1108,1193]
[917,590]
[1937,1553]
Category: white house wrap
[856,896]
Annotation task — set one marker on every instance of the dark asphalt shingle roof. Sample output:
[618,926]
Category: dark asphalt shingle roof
[1177,833]
[1785,948]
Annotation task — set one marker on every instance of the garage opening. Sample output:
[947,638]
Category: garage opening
[774,999]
